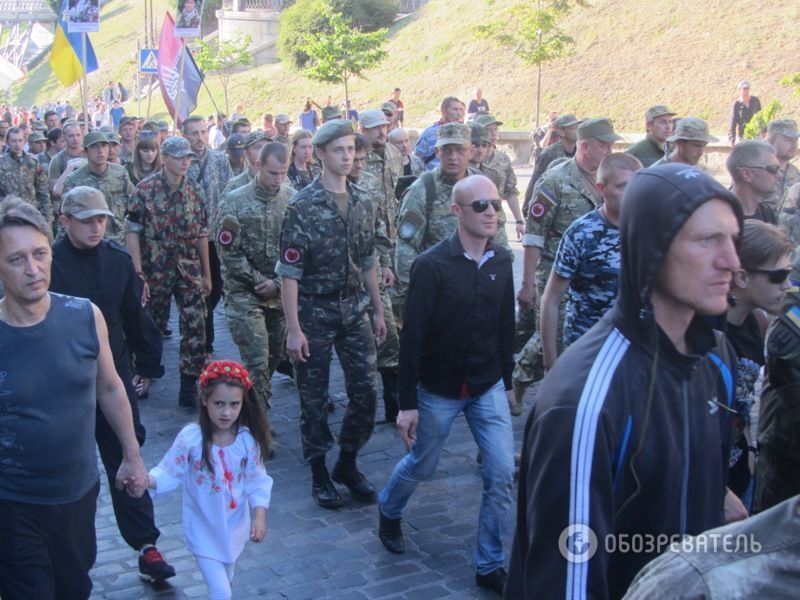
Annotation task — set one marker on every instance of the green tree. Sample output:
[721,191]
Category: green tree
[530,29]
[345,52]
[792,80]
[223,58]
[757,126]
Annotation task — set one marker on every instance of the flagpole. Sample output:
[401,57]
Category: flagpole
[180,83]
[205,85]
[86,119]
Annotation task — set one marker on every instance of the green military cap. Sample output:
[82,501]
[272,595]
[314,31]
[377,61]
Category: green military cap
[389,107]
[176,147]
[127,121]
[254,137]
[372,118]
[162,125]
[37,136]
[282,119]
[478,132]
[454,133]
[106,128]
[659,110]
[150,126]
[787,127]
[94,137]
[332,130]
[692,129]
[113,138]
[84,202]
[601,129]
[329,113]
[566,121]
[487,120]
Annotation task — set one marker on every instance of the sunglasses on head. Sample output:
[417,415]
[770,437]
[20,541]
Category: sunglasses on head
[771,169]
[776,276]
[480,206]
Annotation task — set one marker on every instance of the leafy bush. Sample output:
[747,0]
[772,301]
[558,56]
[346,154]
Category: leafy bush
[367,15]
[758,124]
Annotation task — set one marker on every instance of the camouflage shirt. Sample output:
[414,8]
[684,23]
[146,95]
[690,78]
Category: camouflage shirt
[415,165]
[125,155]
[548,156]
[418,228]
[384,246]
[322,249]
[169,223]
[116,186]
[250,221]
[789,219]
[562,195]
[387,169]
[212,172]
[23,176]
[235,183]
[791,176]
[301,179]
[588,254]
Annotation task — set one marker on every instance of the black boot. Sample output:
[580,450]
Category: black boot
[391,395]
[188,392]
[321,486]
[346,473]
[391,534]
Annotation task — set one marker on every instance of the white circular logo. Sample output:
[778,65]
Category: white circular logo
[577,543]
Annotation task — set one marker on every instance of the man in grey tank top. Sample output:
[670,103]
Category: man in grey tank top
[55,365]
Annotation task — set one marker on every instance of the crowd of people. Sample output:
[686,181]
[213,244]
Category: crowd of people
[656,307]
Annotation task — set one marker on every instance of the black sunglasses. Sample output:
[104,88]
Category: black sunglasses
[771,169]
[480,206]
[776,276]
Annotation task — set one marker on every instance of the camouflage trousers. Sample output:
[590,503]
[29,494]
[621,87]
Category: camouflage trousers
[389,350]
[191,304]
[329,323]
[260,334]
[397,294]
[525,328]
[530,363]
[777,479]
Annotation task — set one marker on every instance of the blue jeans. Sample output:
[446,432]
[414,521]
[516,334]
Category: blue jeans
[489,420]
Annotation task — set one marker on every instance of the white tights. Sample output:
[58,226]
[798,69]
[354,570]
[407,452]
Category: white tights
[218,576]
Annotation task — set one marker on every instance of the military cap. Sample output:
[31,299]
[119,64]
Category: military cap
[106,128]
[487,120]
[659,110]
[329,113]
[566,121]
[84,202]
[236,144]
[372,118]
[94,137]
[454,133]
[37,136]
[162,125]
[126,121]
[176,147]
[113,138]
[787,127]
[692,129]
[282,119]
[150,126]
[254,137]
[332,130]
[389,107]
[601,129]
[479,135]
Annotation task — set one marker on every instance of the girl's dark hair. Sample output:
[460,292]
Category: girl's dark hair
[251,416]
[145,143]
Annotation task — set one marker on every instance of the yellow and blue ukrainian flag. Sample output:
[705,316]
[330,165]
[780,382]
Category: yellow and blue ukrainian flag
[65,58]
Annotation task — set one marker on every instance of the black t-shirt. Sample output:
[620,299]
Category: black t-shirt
[476,107]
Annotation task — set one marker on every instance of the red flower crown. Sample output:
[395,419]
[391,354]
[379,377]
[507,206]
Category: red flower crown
[225,368]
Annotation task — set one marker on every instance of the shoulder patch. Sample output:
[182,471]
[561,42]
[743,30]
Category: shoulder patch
[228,231]
[543,203]
[792,318]
[292,255]
[410,225]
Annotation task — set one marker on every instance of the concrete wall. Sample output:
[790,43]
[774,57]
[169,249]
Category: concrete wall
[260,25]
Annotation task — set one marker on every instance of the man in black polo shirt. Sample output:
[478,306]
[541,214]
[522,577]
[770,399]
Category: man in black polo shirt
[456,355]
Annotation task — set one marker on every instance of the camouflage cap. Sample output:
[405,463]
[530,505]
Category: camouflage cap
[787,127]
[256,136]
[332,130]
[692,129]
[601,129]
[113,138]
[236,144]
[106,128]
[566,121]
[150,126]
[487,120]
[282,119]
[478,132]
[37,136]
[329,113]
[454,133]
[127,121]
[372,118]
[94,137]
[84,202]
[389,107]
[176,147]
[659,110]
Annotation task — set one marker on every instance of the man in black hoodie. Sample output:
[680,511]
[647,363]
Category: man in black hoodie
[626,444]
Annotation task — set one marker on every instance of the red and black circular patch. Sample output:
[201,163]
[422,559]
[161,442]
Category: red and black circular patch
[537,210]
[225,238]
[291,255]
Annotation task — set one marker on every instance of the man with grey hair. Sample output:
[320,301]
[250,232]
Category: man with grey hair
[754,168]
[658,125]
[783,134]
[689,142]
[412,165]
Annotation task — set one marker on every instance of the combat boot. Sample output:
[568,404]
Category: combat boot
[391,395]
[322,488]
[346,473]
[188,392]
[391,533]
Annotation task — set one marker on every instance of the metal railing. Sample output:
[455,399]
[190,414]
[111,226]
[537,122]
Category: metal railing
[403,6]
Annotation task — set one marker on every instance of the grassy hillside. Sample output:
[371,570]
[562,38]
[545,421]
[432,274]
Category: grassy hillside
[628,56]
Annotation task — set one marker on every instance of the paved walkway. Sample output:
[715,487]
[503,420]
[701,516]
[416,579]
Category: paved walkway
[310,552]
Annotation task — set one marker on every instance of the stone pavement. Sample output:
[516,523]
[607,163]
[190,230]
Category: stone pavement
[310,552]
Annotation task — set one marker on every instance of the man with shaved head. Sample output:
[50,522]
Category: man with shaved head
[456,356]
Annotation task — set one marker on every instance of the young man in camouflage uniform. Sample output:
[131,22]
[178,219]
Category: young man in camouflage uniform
[168,241]
[388,351]
[658,127]
[22,175]
[74,137]
[564,193]
[688,142]
[783,135]
[426,219]
[109,178]
[327,260]
[253,144]
[282,125]
[249,233]
[127,134]
[211,170]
